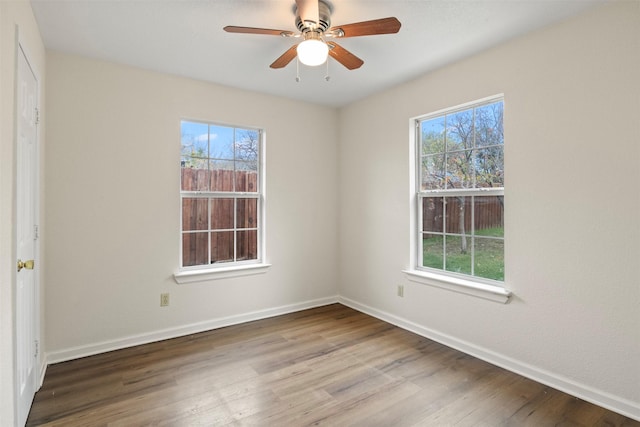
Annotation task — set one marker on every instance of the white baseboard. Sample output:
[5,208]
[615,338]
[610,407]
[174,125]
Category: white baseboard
[133,340]
[43,371]
[606,400]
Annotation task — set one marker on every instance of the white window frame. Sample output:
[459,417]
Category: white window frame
[462,283]
[196,273]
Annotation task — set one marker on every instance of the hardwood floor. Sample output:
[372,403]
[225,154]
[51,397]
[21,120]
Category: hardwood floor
[326,366]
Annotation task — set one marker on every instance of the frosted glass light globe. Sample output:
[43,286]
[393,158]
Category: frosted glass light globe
[312,52]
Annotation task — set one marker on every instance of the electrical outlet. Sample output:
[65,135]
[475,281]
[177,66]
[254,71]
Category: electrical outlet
[164,300]
[401,290]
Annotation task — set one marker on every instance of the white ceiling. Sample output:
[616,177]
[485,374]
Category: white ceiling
[185,37]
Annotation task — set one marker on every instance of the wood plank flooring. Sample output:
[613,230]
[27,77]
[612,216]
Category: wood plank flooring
[329,366]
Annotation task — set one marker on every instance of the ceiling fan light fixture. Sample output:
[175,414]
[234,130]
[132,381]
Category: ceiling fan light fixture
[313,21]
[313,52]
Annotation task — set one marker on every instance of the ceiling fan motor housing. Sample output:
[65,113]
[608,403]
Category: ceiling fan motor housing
[324,16]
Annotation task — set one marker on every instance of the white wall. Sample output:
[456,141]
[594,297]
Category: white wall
[113,154]
[572,132]
[13,15]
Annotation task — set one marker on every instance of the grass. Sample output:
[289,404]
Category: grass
[491,232]
[488,255]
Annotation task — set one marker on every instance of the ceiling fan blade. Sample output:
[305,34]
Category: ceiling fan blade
[285,58]
[343,56]
[367,28]
[250,30]
[308,10]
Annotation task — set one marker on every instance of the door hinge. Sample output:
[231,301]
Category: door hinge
[37,116]
[36,232]
[37,349]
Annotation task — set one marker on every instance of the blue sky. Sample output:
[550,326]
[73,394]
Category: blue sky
[197,136]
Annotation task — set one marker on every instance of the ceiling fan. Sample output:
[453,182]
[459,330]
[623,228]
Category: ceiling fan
[313,20]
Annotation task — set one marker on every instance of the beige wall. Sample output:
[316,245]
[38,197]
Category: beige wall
[572,131]
[14,15]
[113,205]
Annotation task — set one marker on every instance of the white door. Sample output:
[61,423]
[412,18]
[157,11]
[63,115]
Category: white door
[27,298]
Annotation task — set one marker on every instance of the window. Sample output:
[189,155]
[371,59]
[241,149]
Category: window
[221,196]
[460,192]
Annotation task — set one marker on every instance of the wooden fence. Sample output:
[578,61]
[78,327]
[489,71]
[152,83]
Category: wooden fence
[220,234]
[218,180]
[487,213]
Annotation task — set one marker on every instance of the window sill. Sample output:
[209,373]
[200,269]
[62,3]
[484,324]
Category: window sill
[468,287]
[190,276]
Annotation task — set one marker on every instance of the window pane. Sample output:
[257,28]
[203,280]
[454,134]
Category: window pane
[194,139]
[489,165]
[222,139]
[458,214]
[221,246]
[433,172]
[195,249]
[246,145]
[433,214]
[247,213]
[459,134]
[489,258]
[433,136]
[489,216]
[221,214]
[458,254]
[460,169]
[488,125]
[194,214]
[247,245]
[432,251]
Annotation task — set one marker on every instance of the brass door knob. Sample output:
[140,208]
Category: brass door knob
[26,264]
